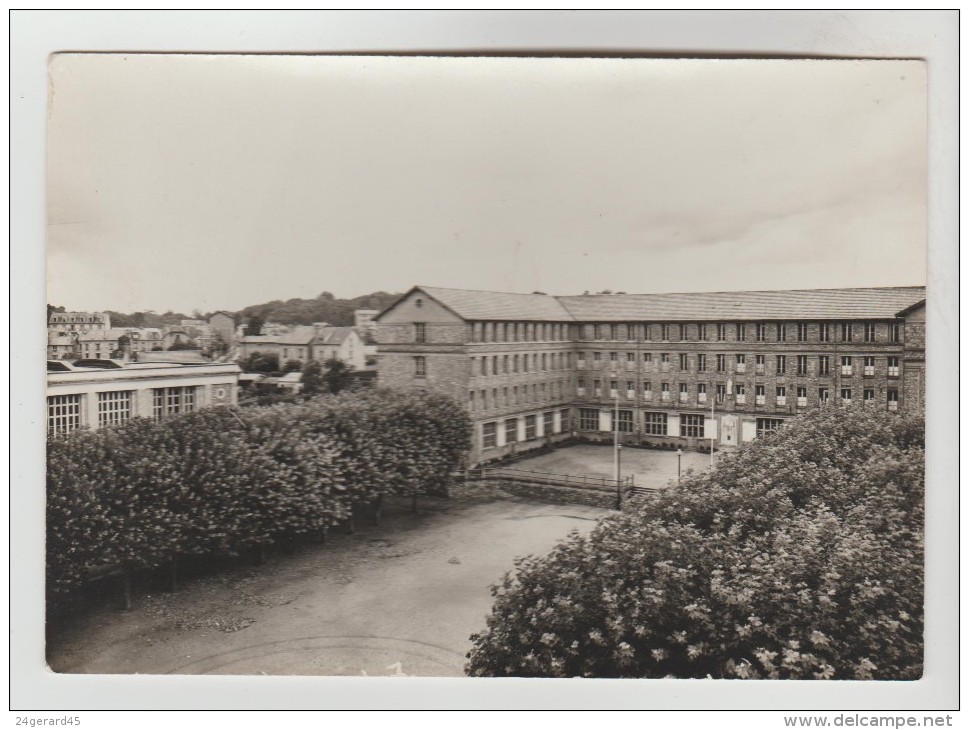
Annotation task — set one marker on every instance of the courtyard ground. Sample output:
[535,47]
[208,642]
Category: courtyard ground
[399,599]
[652,468]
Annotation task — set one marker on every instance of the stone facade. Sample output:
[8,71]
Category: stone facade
[694,384]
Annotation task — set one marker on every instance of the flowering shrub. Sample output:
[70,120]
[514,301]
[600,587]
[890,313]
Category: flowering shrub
[799,556]
[215,482]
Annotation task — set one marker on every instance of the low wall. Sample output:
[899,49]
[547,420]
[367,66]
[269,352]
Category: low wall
[590,496]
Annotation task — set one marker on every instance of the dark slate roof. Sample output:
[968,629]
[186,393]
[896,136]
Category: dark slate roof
[873,303]
[489,305]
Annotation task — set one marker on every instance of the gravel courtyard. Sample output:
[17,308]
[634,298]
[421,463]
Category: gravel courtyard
[399,599]
[651,467]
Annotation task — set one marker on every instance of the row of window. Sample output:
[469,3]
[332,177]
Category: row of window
[740,362]
[511,332]
[510,429]
[64,411]
[684,332]
[516,395]
[739,393]
[522,362]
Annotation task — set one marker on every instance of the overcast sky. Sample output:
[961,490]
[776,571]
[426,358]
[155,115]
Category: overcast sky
[215,182]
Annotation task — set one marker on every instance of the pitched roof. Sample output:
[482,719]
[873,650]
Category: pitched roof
[334,335]
[297,336]
[498,305]
[872,303]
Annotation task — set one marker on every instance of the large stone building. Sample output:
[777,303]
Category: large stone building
[96,393]
[310,342]
[692,369]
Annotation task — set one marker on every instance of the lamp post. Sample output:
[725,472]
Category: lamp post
[679,462]
[616,447]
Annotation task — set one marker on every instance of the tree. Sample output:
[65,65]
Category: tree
[260,362]
[798,557]
[254,326]
[180,344]
[337,375]
[312,378]
[292,366]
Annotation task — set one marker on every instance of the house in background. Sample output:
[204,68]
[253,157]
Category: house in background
[317,342]
[78,321]
[224,326]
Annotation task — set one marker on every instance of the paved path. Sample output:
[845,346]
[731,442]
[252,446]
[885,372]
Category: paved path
[401,599]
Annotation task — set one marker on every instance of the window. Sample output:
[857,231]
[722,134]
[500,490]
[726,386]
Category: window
[548,422]
[484,399]
[740,390]
[625,422]
[579,360]
[613,388]
[588,419]
[597,388]
[489,435]
[869,395]
[893,367]
[767,426]
[801,397]
[701,393]
[802,332]
[846,396]
[597,332]
[846,365]
[869,331]
[169,401]
[824,332]
[530,428]
[544,361]
[613,357]
[892,400]
[761,333]
[484,365]
[504,365]
[654,424]
[701,363]
[782,333]
[691,425]
[721,392]
[511,430]
[721,363]
[665,329]
[823,395]
[613,332]
[781,395]
[869,365]
[701,332]
[664,357]
[741,363]
[420,332]
[664,391]
[647,390]
[63,413]
[684,392]
[471,400]
[566,424]
[630,358]
[760,364]
[781,366]
[597,358]
[802,364]
[682,329]
[647,332]
[494,365]
[647,357]
[760,395]
[504,397]
[683,361]
[824,365]
[114,407]
[846,330]
[630,389]
[580,388]
[721,333]
[895,332]
[741,332]
[494,397]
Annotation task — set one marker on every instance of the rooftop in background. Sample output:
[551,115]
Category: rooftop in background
[823,304]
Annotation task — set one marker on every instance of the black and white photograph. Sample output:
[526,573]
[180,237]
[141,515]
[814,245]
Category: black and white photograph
[471,367]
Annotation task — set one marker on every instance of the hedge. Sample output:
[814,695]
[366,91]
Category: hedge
[219,481]
[800,556]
